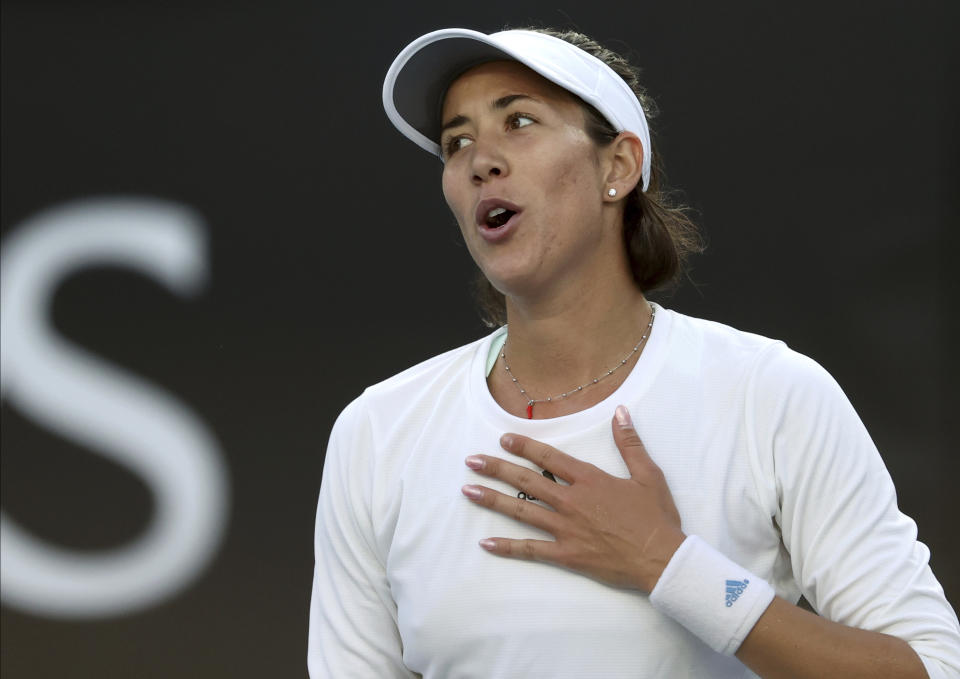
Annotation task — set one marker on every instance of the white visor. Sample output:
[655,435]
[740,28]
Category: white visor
[418,79]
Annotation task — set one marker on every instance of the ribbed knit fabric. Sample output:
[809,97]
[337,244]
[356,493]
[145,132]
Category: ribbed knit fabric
[765,458]
[689,591]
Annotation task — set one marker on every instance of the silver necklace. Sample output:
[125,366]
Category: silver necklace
[533,401]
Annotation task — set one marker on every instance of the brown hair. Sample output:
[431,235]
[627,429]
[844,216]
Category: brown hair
[657,232]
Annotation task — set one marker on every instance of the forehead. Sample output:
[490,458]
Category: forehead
[487,82]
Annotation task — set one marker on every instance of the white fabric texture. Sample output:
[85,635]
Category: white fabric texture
[711,596]
[766,460]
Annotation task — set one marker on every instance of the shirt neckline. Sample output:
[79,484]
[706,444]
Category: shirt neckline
[633,387]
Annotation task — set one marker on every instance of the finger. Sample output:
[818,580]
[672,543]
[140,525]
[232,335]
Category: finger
[519,477]
[631,447]
[554,461]
[529,550]
[525,511]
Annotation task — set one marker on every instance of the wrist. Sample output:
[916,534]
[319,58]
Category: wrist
[657,553]
[713,597]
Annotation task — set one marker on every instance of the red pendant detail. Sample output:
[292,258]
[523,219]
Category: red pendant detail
[530,411]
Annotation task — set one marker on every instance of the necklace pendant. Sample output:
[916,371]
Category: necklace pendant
[530,410]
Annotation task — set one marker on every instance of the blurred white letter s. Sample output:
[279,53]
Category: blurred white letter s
[69,391]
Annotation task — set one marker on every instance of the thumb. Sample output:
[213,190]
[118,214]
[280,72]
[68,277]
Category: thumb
[628,442]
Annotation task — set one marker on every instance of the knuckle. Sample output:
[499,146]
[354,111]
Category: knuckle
[519,509]
[546,457]
[655,473]
[567,557]
[528,549]
[524,480]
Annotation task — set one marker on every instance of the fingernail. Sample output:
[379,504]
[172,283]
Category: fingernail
[506,441]
[623,417]
[472,492]
[488,544]
[474,462]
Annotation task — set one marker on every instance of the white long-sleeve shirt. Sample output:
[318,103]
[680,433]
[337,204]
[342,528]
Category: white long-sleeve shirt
[764,456]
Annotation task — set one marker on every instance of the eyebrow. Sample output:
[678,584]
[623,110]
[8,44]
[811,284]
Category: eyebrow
[497,105]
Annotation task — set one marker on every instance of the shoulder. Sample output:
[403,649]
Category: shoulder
[718,339]
[432,373]
[763,375]
[790,405]
[396,399]
[711,350]
[771,358]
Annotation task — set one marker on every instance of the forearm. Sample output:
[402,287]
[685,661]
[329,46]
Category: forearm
[790,642]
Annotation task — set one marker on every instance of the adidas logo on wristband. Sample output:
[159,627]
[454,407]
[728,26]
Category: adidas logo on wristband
[734,589]
[689,584]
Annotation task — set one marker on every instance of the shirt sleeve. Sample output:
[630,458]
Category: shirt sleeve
[854,555]
[353,617]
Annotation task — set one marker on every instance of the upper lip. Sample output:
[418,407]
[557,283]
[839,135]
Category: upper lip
[487,204]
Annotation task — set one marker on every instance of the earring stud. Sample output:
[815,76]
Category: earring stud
[612,192]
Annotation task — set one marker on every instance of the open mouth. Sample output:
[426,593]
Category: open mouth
[497,217]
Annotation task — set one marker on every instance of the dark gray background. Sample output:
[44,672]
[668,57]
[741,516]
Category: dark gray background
[817,142]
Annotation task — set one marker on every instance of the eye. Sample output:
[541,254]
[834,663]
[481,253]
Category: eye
[518,120]
[454,144]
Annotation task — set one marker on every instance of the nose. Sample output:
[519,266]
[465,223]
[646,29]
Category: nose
[488,162]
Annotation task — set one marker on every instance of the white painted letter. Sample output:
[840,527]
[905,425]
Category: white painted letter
[132,423]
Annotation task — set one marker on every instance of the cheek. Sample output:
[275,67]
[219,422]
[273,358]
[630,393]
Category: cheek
[570,180]
[575,171]
[575,187]
[445,186]
[452,196]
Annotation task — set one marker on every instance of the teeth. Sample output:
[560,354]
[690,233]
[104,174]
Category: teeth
[495,212]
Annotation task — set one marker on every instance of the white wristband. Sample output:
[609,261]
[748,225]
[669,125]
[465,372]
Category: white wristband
[710,595]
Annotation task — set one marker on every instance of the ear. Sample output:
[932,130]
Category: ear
[624,165]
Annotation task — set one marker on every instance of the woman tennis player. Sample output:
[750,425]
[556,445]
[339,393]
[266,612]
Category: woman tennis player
[602,487]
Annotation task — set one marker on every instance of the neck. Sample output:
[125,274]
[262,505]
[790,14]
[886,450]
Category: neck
[555,346]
